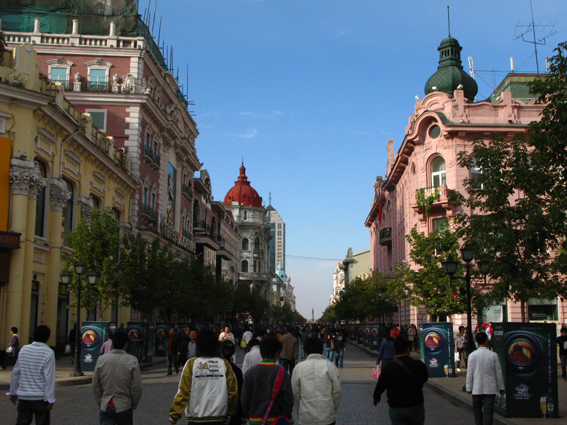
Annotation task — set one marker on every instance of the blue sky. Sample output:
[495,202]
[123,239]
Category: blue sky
[309,91]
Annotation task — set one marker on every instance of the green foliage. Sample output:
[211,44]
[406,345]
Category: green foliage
[428,285]
[284,314]
[329,315]
[251,303]
[96,245]
[520,199]
[426,198]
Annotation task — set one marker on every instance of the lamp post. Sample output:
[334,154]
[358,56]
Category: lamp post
[92,279]
[451,268]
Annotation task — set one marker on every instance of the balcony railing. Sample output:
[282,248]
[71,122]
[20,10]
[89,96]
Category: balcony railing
[151,155]
[97,87]
[150,212]
[187,191]
[386,236]
[187,234]
[427,198]
[257,251]
[202,226]
[216,237]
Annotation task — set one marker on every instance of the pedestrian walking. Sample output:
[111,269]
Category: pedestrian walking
[32,385]
[316,387]
[461,346]
[227,335]
[412,336]
[289,355]
[386,351]
[403,379]
[208,391]
[562,342]
[247,336]
[107,347]
[227,350]
[484,380]
[188,348]
[172,351]
[338,343]
[266,393]
[13,349]
[117,384]
[253,357]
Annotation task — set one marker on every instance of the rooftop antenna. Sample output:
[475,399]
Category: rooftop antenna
[270,199]
[159,31]
[534,40]
[146,18]
[449,21]
[154,20]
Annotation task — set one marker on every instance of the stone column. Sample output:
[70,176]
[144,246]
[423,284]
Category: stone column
[59,198]
[25,181]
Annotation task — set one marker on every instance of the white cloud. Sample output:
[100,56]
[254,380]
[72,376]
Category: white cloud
[341,33]
[258,115]
[247,135]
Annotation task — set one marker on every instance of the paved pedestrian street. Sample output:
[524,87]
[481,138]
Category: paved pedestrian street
[76,404]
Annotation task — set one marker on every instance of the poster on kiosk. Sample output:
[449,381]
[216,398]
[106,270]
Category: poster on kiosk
[93,335]
[437,349]
[528,357]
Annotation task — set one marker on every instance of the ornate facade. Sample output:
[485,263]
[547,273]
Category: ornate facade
[444,123]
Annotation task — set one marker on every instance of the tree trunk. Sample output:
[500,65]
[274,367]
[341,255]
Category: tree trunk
[523,308]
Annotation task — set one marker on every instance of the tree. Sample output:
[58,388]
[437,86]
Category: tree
[97,245]
[249,302]
[519,199]
[284,314]
[428,285]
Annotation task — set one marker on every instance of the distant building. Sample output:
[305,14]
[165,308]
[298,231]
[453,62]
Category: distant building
[354,265]
[277,244]
[251,218]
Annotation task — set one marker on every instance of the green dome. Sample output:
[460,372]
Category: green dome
[450,72]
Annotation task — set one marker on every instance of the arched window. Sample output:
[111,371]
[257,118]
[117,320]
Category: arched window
[244,266]
[257,244]
[438,175]
[245,245]
[195,211]
[213,226]
[40,206]
[475,175]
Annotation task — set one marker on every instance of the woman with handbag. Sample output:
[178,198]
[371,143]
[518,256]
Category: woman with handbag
[12,350]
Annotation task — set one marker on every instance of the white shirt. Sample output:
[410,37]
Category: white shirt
[33,376]
[484,375]
[316,390]
[251,359]
[247,336]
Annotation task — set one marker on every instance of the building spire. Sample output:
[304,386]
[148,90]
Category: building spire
[449,21]
[270,199]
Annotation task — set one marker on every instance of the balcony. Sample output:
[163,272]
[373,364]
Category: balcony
[97,87]
[186,191]
[258,252]
[149,213]
[201,226]
[434,199]
[386,236]
[186,234]
[151,157]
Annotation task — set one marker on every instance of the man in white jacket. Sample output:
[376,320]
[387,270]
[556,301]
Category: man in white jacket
[316,386]
[484,380]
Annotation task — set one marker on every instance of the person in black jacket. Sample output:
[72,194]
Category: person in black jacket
[172,350]
[403,380]
[562,342]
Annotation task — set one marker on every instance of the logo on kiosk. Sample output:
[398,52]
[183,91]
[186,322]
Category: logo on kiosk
[433,362]
[522,392]
[88,358]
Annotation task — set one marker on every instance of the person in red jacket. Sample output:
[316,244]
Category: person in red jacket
[489,332]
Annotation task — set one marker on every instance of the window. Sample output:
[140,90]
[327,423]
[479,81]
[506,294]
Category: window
[255,266]
[195,210]
[96,202]
[245,244]
[148,140]
[540,309]
[97,76]
[153,202]
[475,174]
[145,196]
[257,244]
[98,117]
[279,232]
[279,225]
[438,175]
[434,131]
[244,215]
[40,206]
[58,74]
[244,266]
[440,224]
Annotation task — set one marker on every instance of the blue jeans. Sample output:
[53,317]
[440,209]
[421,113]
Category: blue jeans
[288,365]
[27,409]
[407,415]
[110,417]
[339,355]
[486,400]
[329,354]
[563,364]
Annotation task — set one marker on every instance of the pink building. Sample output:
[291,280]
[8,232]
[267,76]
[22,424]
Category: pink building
[443,124]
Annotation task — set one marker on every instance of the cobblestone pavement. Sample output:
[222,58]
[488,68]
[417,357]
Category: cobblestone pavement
[76,405]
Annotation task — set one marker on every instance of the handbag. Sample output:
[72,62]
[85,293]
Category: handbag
[280,420]
[376,372]
[67,349]
[9,350]
[243,343]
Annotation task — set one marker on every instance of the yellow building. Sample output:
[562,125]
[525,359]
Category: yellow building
[55,167]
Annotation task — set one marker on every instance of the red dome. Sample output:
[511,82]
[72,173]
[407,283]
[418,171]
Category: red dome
[242,192]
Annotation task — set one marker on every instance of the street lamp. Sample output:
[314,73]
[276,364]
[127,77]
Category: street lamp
[450,266]
[92,279]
